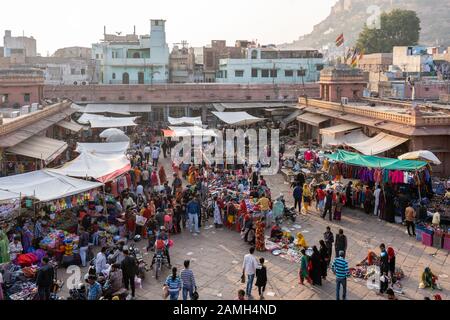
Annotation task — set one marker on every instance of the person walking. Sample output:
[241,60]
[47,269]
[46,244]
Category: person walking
[340,269]
[101,262]
[298,194]
[306,198]
[94,291]
[316,268]
[174,284]
[261,278]
[188,281]
[193,211]
[129,270]
[410,217]
[328,237]
[328,205]
[44,279]
[155,156]
[83,243]
[376,196]
[340,244]
[303,273]
[249,268]
[324,259]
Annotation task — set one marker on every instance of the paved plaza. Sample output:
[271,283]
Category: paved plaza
[216,258]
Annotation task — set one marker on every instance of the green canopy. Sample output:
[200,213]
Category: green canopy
[376,162]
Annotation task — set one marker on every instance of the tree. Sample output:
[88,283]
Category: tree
[398,28]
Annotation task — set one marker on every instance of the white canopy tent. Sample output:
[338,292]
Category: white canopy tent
[106,122]
[118,137]
[38,147]
[110,132]
[44,185]
[421,155]
[87,117]
[192,131]
[120,108]
[103,148]
[195,121]
[237,118]
[378,144]
[102,167]
[7,195]
[355,136]
[69,125]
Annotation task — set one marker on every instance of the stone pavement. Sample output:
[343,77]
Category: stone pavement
[216,258]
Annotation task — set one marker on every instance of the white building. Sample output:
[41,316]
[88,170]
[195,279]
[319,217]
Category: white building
[272,65]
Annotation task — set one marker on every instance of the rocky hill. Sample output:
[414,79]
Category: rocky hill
[349,16]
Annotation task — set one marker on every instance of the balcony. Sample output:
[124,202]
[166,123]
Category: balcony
[132,63]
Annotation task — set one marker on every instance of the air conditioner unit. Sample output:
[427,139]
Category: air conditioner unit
[25,109]
[344,101]
[14,114]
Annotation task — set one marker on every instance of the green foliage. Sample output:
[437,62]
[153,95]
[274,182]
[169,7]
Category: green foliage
[398,28]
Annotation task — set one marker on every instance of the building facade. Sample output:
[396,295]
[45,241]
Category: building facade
[400,127]
[20,86]
[214,53]
[270,65]
[131,59]
[11,45]
[181,64]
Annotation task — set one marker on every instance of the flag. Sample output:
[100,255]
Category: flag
[354,60]
[340,40]
[348,55]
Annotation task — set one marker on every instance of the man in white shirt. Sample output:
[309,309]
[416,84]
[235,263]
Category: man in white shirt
[147,151]
[376,195]
[100,262]
[249,267]
[155,156]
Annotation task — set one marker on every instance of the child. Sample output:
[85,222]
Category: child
[261,278]
[241,295]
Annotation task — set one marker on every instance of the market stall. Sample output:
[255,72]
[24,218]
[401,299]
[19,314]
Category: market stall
[101,167]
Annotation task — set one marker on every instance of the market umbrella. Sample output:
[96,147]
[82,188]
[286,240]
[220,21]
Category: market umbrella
[109,132]
[421,155]
[118,137]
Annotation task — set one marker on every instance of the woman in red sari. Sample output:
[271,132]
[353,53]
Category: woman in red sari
[260,235]
[241,213]
[162,175]
[154,179]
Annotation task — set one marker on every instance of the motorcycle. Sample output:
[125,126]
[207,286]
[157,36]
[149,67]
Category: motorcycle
[141,264]
[78,293]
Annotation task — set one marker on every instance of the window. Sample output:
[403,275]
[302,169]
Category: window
[121,98]
[288,73]
[26,97]
[5,98]
[141,78]
[72,71]
[265,73]
[254,73]
[97,56]
[139,98]
[239,73]
[301,73]
[83,99]
[319,67]
[273,73]
[102,98]
[248,97]
[267,97]
[286,97]
[254,54]
[136,55]
[114,76]
[83,71]
[427,89]
[125,78]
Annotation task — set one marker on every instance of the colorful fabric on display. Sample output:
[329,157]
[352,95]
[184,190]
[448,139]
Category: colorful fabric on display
[376,162]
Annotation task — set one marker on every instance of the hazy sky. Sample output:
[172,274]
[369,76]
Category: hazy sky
[63,23]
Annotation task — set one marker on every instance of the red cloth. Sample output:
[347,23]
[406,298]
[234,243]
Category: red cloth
[27,259]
